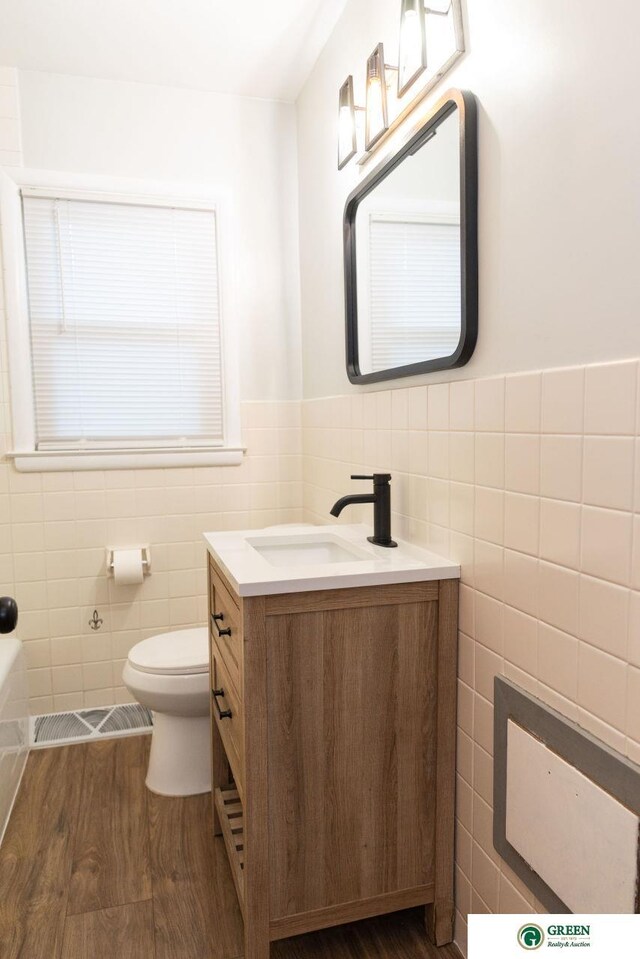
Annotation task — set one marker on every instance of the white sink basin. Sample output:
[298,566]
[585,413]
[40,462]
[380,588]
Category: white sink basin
[297,558]
[305,551]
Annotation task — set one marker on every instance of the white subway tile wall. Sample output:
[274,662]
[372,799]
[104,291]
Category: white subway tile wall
[55,529]
[530,482]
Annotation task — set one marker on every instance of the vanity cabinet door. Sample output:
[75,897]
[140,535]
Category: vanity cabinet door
[352,699]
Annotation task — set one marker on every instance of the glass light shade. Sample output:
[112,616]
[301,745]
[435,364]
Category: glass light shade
[412,56]
[376,118]
[347,142]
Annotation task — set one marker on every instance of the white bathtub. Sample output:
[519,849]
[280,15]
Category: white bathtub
[14,723]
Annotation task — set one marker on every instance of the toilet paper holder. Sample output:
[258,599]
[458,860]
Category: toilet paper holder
[146,559]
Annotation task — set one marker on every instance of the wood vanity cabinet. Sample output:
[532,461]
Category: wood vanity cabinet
[334,719]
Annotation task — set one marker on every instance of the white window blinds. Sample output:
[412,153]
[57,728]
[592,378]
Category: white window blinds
[124,324]
[414,290]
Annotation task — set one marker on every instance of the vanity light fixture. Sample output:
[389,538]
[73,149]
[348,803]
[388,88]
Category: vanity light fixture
[382,115]
[412,55]
[347,139]
[377,108]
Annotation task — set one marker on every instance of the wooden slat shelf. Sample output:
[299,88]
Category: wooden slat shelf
[229,808]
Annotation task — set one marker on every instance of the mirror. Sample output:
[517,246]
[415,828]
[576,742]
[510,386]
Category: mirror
[410,234]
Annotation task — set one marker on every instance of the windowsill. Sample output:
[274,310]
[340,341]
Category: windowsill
[41,461]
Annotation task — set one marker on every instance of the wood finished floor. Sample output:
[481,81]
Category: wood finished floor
[93,866]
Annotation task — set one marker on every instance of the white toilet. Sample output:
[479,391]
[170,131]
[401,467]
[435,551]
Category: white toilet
[169,674]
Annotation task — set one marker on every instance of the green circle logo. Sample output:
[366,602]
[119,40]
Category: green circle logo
[530,936]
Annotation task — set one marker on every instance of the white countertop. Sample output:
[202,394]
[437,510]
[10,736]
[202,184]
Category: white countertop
[251,574]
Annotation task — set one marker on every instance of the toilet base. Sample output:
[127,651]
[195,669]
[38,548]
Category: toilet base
[180,759]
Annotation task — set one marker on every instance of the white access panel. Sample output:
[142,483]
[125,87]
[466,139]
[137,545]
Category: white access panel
[580,840]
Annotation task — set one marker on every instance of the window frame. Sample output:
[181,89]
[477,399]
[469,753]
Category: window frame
[26,456]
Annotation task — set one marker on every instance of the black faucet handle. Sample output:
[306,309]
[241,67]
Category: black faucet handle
[379,479]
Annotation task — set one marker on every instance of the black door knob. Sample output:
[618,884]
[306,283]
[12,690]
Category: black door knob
[8,614]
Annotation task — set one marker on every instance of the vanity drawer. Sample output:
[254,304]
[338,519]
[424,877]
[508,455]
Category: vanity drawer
[227,712]
[226,630]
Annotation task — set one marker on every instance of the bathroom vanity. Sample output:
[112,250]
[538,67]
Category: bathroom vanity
[333,678]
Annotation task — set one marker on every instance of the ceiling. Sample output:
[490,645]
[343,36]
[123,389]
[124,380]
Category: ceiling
[259,48]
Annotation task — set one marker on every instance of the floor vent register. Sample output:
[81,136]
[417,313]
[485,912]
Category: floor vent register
[57,728]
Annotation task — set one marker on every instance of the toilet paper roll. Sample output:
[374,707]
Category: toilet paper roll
[127,567]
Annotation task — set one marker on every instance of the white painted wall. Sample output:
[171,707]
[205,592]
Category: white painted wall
[559,191]
[244,148]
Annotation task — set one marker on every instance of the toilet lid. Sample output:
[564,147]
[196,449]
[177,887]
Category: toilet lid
[182,652]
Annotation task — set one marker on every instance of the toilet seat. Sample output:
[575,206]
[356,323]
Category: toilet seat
[183,652]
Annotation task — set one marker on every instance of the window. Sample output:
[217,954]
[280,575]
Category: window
[123,333]
[414,299]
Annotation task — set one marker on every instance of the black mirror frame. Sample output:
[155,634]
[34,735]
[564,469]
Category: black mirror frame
[465,103]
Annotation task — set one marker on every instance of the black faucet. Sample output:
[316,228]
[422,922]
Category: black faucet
[381,499]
